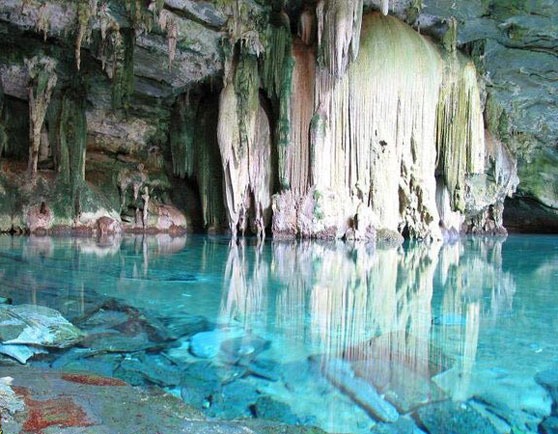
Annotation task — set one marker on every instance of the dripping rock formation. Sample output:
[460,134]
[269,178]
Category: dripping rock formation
[296,118]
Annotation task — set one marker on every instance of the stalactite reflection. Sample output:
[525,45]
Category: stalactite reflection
[399,317]
[474,288]
[245,300]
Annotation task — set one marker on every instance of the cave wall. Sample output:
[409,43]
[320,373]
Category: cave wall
[311,119]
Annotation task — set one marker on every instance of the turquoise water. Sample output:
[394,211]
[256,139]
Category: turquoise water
[472,321]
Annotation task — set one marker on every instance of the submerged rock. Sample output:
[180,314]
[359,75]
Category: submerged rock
[340,374]
[549,380]
[453,417]
[21,353]
[185,325]
[146,368]
[206,345]
[5,300]
[400,426]
[36,325]
[82,359]
[114,317]
[234,401]
[549,426]
[269,408]
[245,348]
[263,368]
[114,342]
[401,385]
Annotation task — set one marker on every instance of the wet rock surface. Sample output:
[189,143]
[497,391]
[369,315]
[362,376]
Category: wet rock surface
[53,400]
[116,350]
[41,400]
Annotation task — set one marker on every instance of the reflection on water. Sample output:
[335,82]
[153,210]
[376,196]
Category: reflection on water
[416,324]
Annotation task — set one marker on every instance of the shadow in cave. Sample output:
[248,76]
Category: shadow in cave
[528,216]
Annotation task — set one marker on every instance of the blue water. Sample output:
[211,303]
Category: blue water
[472,321]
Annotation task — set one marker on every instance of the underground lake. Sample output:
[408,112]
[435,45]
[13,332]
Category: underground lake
[344,337]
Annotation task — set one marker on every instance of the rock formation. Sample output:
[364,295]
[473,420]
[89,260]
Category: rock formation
[318,119]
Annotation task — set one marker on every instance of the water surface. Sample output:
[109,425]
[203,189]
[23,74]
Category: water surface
[472,321]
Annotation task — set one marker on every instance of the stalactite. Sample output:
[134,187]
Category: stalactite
[168,24]
[73,138]
[385,7]
[42,80]
[181,135]
[86,9]
[142,16]
[460,128]
[3,135]
[379,127]
[110,36]
[246,85]
[276,76]
[307,26]
[404,111]
[298,155]
[244,143]
[209,170]
[123,42]
[449,40]
[116,51]
[43,21]
[339,24]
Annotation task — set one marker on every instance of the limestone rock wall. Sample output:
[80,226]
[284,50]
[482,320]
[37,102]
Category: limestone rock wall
[335,120]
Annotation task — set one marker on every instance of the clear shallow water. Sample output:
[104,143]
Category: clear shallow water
[472,321]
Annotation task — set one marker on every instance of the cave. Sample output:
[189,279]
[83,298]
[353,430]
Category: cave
[297,156]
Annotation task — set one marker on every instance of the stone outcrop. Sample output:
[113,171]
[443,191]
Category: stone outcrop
[289,117]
